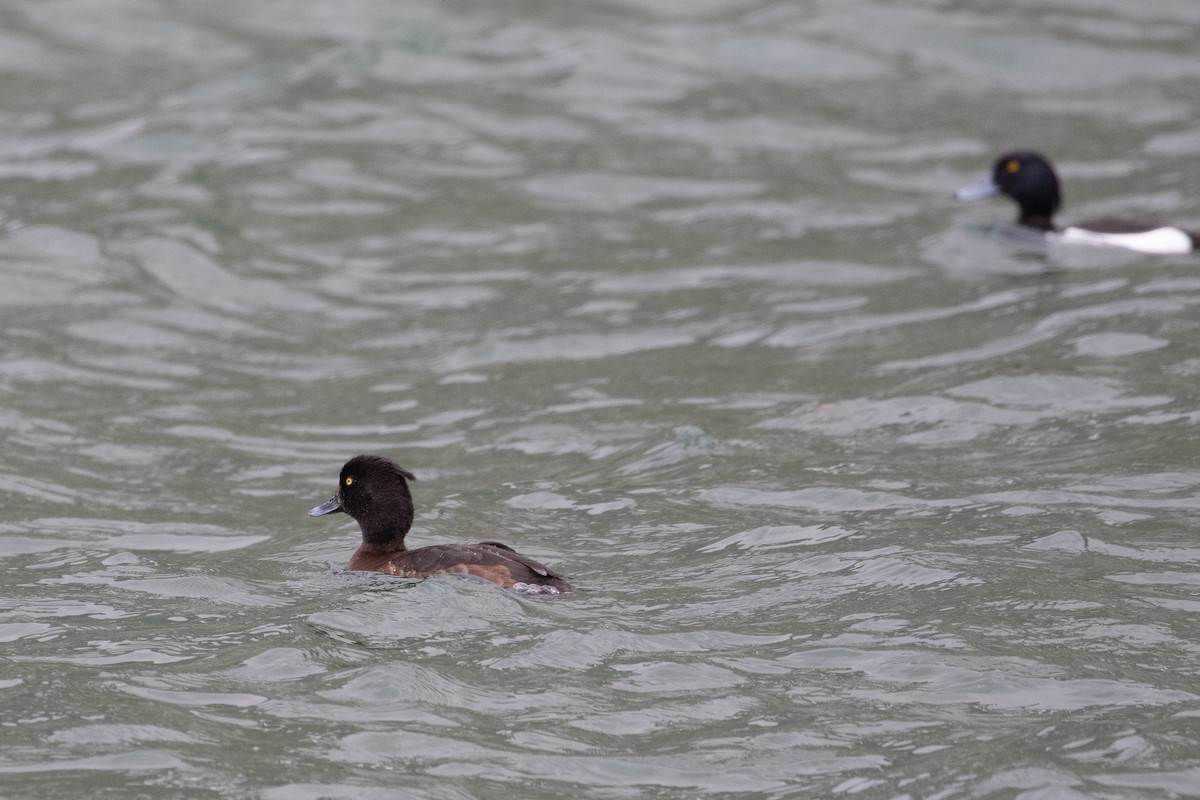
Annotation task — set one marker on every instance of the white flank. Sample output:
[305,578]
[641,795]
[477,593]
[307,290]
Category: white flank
[1161,241]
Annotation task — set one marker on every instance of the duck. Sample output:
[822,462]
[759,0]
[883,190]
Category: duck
[1029,179]
[374,491]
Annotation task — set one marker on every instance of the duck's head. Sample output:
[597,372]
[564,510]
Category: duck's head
[1026,177]
[374,491]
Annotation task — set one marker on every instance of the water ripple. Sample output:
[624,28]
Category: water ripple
[860,498]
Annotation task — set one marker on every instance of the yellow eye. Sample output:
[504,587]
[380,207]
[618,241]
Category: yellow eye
[349,481]
[1012,166]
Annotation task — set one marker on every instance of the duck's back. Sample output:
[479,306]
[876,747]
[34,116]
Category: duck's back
[491,561]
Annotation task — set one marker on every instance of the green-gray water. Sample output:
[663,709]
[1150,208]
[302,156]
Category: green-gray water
[669,295]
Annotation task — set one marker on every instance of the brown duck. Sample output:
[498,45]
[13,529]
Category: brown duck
[374,491]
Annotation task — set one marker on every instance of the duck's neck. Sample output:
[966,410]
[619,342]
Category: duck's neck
[390,547]
[384,533]
[1040,222]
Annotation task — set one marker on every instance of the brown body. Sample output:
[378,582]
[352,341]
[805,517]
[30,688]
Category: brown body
[374,491]
[491,561]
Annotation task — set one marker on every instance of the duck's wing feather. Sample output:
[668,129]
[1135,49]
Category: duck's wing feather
[494,561]
[1182,239]
[1117,225]
[1143,237]
[507,552]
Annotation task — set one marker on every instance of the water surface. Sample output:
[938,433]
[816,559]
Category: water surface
[672,296]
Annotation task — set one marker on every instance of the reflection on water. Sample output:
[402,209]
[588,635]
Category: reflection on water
[860,499]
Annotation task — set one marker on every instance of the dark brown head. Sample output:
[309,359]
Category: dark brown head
[374,491]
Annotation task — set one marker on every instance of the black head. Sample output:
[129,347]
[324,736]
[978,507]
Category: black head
[374,491]
[1027,178]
